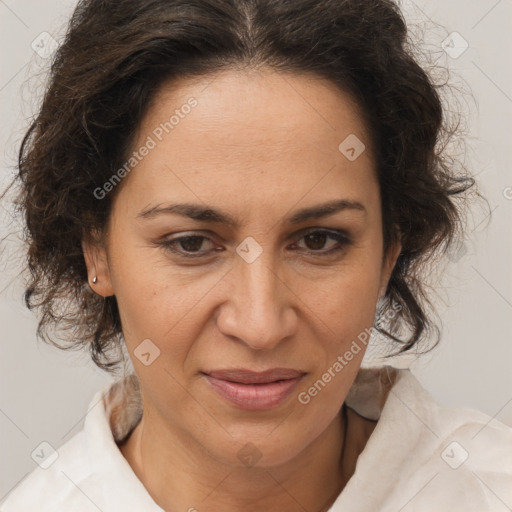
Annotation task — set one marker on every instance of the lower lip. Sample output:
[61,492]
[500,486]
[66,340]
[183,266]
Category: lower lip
[254,397]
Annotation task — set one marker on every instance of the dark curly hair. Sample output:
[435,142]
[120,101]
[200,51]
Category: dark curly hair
[115,56]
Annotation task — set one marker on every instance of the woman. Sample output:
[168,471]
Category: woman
[236,195]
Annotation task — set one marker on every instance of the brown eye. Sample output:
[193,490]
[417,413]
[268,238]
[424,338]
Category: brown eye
[315,241]
[187,246]
[191,243]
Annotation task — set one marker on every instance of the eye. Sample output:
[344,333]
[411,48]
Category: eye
[315,240]
[186,246]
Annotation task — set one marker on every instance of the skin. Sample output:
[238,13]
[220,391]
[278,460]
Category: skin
[259,145]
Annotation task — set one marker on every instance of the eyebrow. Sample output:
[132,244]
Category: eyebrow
[210,214]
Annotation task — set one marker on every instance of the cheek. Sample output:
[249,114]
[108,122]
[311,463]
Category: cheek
[158,302]
[152,307]
[347,300]
[345,311]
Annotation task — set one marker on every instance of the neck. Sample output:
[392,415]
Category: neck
[180,475]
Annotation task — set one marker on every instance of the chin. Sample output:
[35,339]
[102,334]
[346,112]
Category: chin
[261,446]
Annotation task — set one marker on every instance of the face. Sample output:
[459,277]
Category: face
[226,262]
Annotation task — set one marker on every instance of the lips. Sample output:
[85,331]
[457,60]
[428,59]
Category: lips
[251,390]
[242,376]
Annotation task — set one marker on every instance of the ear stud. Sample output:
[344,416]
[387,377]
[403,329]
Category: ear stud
[94,280]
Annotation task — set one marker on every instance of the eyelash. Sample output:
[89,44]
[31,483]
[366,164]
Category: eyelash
[339,236]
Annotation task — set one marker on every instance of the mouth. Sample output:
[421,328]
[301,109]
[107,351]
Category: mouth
[250,390]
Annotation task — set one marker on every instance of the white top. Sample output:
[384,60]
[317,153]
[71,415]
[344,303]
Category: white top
[420,457]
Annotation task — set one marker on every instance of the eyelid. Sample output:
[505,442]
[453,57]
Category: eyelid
[167,243]
[341,236]
[332,231]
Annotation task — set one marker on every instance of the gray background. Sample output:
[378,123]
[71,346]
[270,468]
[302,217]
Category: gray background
[44,393]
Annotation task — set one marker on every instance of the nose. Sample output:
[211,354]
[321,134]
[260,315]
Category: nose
[259,310]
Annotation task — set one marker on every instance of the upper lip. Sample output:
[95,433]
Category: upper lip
[244,376]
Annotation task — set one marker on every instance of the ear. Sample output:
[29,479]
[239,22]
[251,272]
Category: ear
[388,264]
[97,264]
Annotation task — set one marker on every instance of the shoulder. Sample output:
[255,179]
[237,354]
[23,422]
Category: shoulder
[428,456]
[447,423]
[65,483]
[458,454]
[89,472]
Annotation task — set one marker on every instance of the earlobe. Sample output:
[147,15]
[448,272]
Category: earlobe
[98,271]
[389,264]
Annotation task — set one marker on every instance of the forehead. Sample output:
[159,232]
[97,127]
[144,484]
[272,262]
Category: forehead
[244,109]
[249,132]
